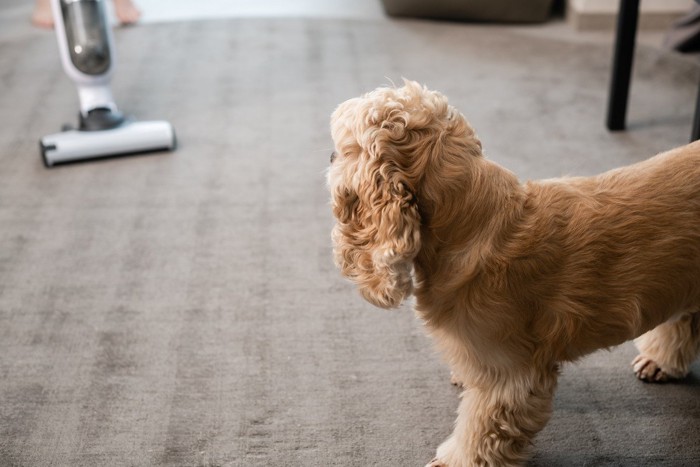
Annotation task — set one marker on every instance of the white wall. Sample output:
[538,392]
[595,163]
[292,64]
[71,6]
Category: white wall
[611,6]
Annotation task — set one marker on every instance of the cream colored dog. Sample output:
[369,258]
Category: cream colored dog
[511,279]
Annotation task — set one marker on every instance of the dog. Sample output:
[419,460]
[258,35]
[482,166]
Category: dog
[512,279]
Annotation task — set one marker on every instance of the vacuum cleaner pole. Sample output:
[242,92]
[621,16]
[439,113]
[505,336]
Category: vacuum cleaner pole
[95,97]
[85,44]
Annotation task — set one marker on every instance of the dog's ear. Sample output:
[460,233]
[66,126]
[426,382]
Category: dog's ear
[377,235]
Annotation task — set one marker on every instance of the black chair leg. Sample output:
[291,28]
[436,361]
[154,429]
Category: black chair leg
[622,64]
[695,135]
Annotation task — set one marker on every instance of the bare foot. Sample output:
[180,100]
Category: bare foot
[42,16]
[126,11]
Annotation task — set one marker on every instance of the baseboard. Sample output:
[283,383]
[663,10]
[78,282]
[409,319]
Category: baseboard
[596,15]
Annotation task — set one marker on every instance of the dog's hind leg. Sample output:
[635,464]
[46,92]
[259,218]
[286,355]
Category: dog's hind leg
[497,420]
[667,351]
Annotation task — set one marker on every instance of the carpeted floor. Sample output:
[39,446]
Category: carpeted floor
[182,309]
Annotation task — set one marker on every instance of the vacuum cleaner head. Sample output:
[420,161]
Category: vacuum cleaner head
[127,138]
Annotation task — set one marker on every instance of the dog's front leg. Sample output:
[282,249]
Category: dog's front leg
[497,421]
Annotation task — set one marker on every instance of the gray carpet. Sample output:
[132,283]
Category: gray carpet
[182,309]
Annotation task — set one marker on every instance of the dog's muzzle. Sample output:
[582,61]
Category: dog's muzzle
[333,156]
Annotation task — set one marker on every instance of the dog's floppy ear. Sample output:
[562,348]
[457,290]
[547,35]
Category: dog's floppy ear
[378,233]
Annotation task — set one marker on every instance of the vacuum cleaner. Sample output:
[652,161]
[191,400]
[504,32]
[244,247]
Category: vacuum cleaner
[85,44]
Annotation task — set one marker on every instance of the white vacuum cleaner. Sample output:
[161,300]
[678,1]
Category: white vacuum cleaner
[85,45]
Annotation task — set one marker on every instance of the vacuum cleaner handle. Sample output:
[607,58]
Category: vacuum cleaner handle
[86,48]
[84,39]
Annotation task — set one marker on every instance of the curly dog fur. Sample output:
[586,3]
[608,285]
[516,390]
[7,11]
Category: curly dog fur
[512,279]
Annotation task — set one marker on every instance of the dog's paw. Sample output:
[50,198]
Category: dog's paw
[436,463]
[649,371]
